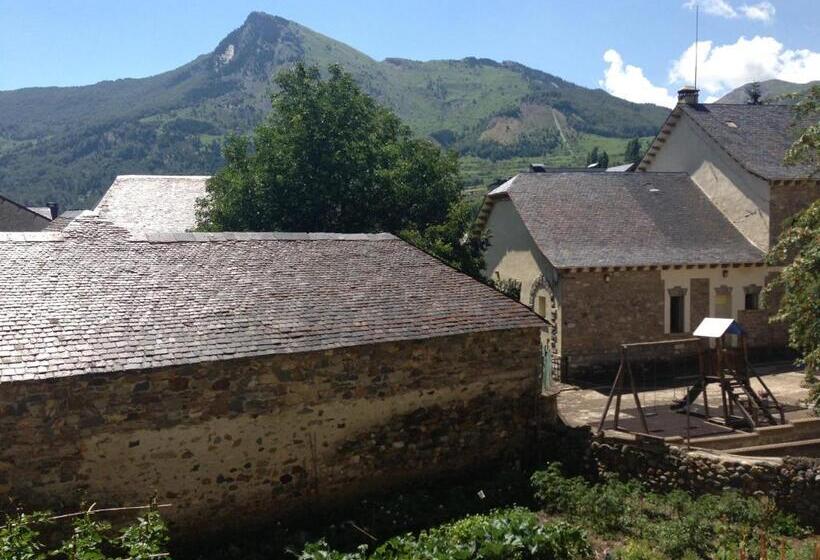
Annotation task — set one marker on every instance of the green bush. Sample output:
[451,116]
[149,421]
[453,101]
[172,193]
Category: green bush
[676,524]
[89,538]
[513,534]
[638,550]
[605,508]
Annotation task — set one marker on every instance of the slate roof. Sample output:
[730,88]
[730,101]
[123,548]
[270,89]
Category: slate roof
[60,222]
[44,211]
[757,136]
[594,219]
[36,211]
[98,298]
[153,202]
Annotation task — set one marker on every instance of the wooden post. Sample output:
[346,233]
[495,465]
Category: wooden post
[620,390]
[701,368]
[635,393]
[611,393]
[719,372]
[688,424]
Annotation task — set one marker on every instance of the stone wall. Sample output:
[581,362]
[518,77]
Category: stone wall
[236,442]
[763,335]
[599,315]
[792,482]
[787,199]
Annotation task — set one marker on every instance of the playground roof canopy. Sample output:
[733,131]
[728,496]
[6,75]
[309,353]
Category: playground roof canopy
[714,327]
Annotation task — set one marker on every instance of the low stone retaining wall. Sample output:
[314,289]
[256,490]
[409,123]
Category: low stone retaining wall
[792,482]
[797,430]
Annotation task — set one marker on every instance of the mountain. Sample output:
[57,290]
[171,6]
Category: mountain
[66,144]
[771,90]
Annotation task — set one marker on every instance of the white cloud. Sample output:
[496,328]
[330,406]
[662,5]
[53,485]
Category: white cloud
[721,68]
[713,7]
[628,82]
[725,67]
[761,11]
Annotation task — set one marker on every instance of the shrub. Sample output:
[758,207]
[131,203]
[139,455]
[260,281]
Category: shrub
[89,539]
[677,524]
[638,550]
[501,535]
[606,508]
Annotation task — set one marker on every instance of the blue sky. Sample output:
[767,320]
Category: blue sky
[72,42]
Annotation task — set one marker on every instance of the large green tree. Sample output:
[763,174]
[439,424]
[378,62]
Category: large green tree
[798,248]
[632,153]
[329,158]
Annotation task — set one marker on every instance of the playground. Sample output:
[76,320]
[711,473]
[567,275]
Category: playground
[718,400]
[583,405]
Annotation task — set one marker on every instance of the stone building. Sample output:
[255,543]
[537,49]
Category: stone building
[641,256]
[244,376]
[609,258]
[16,217]
[734,154]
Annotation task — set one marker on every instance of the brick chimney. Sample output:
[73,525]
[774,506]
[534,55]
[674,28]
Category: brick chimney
[688,95]
[55,209]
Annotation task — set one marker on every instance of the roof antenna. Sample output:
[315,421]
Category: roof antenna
[697,14]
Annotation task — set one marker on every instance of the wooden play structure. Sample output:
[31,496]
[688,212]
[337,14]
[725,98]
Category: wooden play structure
[722,360]
[729,367]
[625,372]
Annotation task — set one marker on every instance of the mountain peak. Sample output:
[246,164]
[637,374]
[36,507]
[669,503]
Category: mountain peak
[263,41]
[264,20]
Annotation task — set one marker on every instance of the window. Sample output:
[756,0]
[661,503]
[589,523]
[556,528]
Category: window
[723,302]
[752,298]
[676,313]
[542,306]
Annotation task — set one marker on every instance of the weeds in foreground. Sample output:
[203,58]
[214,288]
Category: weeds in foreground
[89,538]
[512,534]
[675,525]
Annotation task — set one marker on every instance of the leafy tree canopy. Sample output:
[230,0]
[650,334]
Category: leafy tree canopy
[329,158]
[599,157]
[806,149]
[633,151]
[798,247]
[754,94]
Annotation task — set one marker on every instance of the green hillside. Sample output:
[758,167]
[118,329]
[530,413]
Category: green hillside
[67,144]
[772,91]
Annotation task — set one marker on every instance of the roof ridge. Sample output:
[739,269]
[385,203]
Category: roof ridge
[30,236]
[22,206]
[590,172]
[204,237]
[162,177]
[747,104]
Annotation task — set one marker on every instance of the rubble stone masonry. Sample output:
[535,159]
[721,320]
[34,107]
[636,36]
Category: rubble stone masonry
[787,199]
[232,442]
[598,315]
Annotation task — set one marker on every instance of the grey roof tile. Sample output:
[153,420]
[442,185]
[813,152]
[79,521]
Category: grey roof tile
[580,219]
[99,301]
[757,136]
[153,203]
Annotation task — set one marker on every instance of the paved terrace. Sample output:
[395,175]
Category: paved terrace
[583,406]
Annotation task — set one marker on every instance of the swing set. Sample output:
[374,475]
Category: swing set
[722,359]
